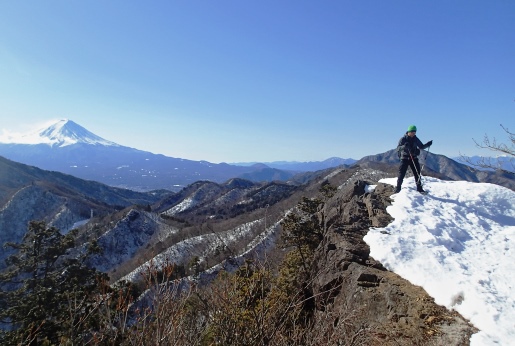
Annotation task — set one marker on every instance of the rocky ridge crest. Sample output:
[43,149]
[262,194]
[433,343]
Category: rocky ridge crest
[356,296]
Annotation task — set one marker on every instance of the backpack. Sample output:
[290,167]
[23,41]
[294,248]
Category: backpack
[400,147]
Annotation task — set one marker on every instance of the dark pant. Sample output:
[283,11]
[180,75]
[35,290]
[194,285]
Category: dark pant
[415,169]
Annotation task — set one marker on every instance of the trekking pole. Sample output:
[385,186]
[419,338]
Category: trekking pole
[419,175]
[422,168]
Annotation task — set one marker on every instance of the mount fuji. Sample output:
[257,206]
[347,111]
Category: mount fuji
[69,148]
[63,133]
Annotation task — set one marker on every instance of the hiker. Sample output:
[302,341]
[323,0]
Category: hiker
[408,149]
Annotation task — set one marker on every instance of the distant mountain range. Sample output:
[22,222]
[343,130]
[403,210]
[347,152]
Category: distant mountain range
[208,227]
[122,219]
[309,166]
[441,167]
[129,224]
[28,193]
[503,162]
[69,148]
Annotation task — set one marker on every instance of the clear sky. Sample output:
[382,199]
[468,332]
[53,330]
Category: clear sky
[234,81]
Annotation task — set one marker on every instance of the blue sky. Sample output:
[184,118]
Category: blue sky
[235,81]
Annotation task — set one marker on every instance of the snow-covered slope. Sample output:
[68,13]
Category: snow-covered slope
[129,235]
[28,193]
[63,133]
[202,246]
[458,243]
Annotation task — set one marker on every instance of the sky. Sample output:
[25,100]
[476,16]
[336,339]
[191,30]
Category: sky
[262,81]
[458,243]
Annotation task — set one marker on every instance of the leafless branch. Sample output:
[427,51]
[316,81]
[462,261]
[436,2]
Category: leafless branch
[493,145]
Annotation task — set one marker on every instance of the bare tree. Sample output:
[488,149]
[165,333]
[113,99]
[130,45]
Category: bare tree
[493,145]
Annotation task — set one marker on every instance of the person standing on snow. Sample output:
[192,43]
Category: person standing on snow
[408,149]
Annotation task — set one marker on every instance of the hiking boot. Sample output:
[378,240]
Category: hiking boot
[421,190]
[397,189]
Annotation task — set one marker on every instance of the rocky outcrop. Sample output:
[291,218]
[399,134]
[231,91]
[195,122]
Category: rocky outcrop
[358,301]
[33,202]
[31,194]
[129,235]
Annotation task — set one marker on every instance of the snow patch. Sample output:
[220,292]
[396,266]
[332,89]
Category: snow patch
[458,243]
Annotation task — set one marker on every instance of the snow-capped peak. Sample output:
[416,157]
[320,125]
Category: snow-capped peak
[64,132]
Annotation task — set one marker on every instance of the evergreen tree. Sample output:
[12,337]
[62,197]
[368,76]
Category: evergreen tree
[46,295]
[302,229]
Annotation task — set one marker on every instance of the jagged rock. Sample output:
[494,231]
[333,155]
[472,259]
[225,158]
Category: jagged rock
[122,242]
[368,280]
[356,297]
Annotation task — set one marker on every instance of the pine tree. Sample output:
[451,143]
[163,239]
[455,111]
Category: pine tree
[302,229]
[46,295]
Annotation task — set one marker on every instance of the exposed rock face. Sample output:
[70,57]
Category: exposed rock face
[130,234]
[29,193]
[32,203]
[357,300]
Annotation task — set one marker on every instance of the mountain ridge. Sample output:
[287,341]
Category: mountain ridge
[78,152]
[87,156]
[442,167]
[69,148]
[305,166]
[342,261]
[29,193]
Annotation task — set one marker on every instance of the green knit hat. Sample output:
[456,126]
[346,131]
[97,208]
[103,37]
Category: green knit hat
[412,128]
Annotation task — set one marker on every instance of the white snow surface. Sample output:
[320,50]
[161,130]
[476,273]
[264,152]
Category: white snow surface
[458,243]
[63,133]
[201,246]
[187,203]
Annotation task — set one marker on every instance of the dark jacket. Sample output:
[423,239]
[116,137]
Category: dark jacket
[410,145]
